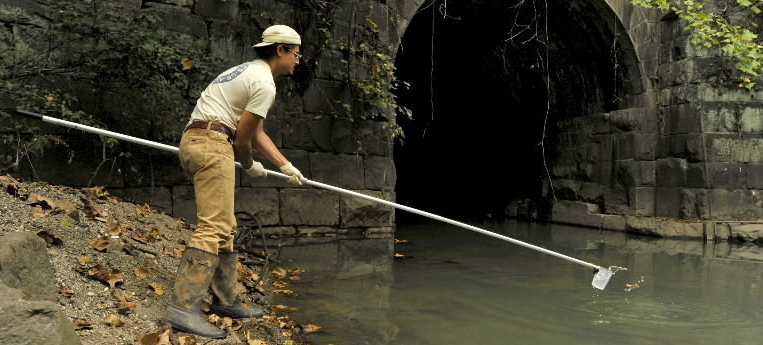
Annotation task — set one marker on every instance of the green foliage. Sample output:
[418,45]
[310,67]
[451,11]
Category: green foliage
[714,28]
[97,63]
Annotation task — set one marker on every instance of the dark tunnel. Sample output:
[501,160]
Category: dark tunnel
[478,73]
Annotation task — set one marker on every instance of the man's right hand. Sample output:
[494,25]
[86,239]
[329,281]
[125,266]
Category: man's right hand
[256,170]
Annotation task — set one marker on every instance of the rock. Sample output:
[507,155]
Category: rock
[355,212]
[25,265]
[33,322]
[576,213]
[747,232]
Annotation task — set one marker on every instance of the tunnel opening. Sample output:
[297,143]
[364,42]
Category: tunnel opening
[489,81]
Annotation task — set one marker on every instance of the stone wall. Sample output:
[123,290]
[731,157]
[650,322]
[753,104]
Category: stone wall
[350,154]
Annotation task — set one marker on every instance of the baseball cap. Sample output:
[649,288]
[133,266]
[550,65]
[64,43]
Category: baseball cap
[279,34]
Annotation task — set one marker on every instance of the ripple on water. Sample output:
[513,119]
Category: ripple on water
[650,310]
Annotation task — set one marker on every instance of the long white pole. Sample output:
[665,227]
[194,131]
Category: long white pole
[156,145]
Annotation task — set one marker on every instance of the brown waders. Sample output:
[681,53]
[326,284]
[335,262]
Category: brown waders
[226,302]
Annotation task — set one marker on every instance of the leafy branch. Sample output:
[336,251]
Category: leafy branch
[715,29]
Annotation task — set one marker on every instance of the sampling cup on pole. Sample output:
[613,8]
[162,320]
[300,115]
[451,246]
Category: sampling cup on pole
[601,274]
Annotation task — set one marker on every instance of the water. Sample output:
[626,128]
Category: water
[459,287]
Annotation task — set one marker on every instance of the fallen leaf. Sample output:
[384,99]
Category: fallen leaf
[140,272]
[294,278]
[117,228]
[66,292]
[123,306]
[11,185]
[83,260]
[221,322]
[285,292]
[252,341]
[39,215]
[101,219]
[281,307]
[280,284]
[106,275]
[114,321]
[158,288]
[153,235]
[67,223]
[187,63]
[82,324]
[279,272]
[39,200]
[99,244]
[400,256]
[186,340]
[50,239]
[138,237]
[310,328]
[401,241]
[158,338]
[296,270]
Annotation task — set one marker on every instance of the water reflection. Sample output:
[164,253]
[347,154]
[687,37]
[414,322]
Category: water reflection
[459,287]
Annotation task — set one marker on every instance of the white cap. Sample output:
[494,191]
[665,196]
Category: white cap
[279,34]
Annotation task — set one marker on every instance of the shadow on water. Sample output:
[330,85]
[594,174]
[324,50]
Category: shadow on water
[459,287]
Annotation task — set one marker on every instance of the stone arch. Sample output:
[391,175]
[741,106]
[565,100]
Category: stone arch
[587,37]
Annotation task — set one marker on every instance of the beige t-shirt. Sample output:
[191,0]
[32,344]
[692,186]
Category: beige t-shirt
[248,86]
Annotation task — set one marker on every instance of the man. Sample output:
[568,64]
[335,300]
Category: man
[225,125]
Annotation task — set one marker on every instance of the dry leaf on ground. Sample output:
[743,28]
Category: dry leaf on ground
[279,272]
[310,328]
[158,288]
[45,203]
[158,338]
[66,292]
[106,275]
[82,324]
[140,272]
[50,239]
[83,260]
[281,307]
[123,305]
[99,244]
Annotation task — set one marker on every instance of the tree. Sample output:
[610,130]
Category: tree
[728,28]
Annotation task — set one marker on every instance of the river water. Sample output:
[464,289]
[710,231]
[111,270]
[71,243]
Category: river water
[458,287]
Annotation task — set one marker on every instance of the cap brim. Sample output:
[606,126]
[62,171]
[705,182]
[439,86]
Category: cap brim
[262,44]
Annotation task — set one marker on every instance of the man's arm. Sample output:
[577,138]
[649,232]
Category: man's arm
[249,132]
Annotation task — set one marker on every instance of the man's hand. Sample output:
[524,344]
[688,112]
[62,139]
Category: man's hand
[256,170]
[295,177]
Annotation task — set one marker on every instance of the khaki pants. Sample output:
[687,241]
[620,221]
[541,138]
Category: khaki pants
[207,159]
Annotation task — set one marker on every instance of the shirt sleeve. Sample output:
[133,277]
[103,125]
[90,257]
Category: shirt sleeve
[261,98]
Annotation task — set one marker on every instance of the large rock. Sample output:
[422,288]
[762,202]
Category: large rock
[25,265]
[33,322]
[263,203]
[576,213]
[747,232]
[339,170]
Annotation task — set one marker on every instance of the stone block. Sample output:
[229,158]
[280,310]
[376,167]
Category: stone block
[694,204]
[356,212]
[722,231]
[315,230]
[330,65]
[159,198]
[379,173]
[632,120]
[298,158]
[644,202]
[262,203]
[22,12]
[576,213]
[56,166]
[729,148]
[717,117]
[751,120]
[613,222]
[340,170]
[25,265]
[635,146]
[181,3]
[146,168]
[309,207]
[326,97]
[747,232]
[227,10]
[616,200]
[754,175]
[33,322]
[666,228]
[667,202]
[365,137]
[184,203]
[231,42]
[735,204]
[671,172]
[312,134]
[636,173]
[696,176]
[728,175]
[681,119]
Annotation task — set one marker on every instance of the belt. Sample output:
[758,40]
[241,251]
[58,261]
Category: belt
[212,126]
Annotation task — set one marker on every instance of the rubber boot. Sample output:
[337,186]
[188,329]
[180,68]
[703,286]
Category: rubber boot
[191,283]
[225,301]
